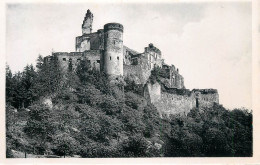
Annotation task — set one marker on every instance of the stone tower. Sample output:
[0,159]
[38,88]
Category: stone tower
[87,23]
[112,59]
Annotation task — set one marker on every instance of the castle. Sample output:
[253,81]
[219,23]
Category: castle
[104,50]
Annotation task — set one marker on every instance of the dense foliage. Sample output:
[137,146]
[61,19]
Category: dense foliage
[90,117]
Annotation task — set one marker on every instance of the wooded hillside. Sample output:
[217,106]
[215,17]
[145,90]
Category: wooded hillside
[89,117]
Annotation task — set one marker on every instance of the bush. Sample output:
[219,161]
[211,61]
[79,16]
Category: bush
[135,101]
[135,146]
[110,105]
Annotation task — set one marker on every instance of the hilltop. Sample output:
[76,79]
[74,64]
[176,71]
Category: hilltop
[89,117]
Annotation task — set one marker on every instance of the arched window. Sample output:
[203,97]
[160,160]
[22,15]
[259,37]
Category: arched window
[117,58]
[110,57]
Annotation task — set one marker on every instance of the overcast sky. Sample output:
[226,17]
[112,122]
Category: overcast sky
[210,43]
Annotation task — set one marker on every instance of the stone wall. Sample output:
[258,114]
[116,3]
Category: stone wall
[82,43]
[87,23]
[175,79]
[128,53]
[137,73]
[208,100]
[153,56]
[168,103]
[134,72]
[178,101]
[65,57]
[92,56]
[112,58]
[152,92]
[174,104]
[92,41]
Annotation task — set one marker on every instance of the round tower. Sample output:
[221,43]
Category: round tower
[113,49]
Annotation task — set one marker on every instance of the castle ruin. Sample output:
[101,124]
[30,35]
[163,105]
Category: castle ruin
[104,50]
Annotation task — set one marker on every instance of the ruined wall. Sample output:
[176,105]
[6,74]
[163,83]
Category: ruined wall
[92,56]
[175,80]
[65,57]
[145,75]
[92,41]
[154,92]
[137,73]
[207,100]
[178,83]
[174,104]
[169,103]
[128,53]
[134,72]
[144,62]
[87,23]
[100,44]
[178,101]
[97,40]
[82,43]
[153,56]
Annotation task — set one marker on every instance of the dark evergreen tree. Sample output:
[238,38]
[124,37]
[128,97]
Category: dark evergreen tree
[10,86]
[50,77]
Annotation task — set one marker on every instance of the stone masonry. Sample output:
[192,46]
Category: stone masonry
[105,51]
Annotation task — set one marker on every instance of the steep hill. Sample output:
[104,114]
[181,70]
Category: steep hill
[91,118]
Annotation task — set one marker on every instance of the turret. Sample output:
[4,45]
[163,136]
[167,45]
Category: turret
[112,59]
[87,23]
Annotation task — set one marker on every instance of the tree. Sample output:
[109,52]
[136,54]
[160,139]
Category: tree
[65,145]
[10,86]
[28,82]
[135,146]
[19,90]
[215,143]
[39,62]
[50,77]
[110,105]
[40,126]
[135,101]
